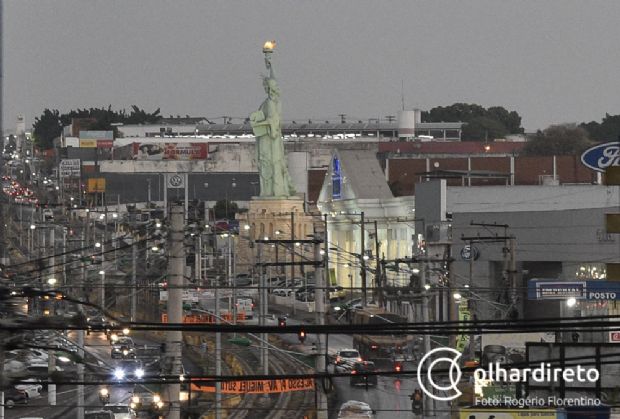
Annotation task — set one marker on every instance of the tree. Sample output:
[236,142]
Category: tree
[483,128]
[481,124]
[225,209]
[607,130]
[567,139]
[49,125]
[46,128]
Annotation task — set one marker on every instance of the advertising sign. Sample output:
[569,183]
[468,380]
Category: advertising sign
[69,168]
[602,156]
[543,289]
[283,385]
[96,185]
[170,151]
[96,139]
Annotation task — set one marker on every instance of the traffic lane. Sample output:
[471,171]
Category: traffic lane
[390,398]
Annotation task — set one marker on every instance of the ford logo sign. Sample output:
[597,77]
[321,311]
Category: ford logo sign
[602,156]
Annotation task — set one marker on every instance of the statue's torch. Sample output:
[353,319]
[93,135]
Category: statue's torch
[268,47]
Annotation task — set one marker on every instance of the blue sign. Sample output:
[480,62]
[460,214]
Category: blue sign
[602,156]
[469,252]
[336,179]
[549,289]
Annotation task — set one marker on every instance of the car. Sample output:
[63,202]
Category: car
[359,374]
[345,358]
[99,414]
[123,347]
[243,280]
[285,291]
[120,411]
[146,401]
[129,368]
[354,409]
[12,396]
[304,292]
[33,388]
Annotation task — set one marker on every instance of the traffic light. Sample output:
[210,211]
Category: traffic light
[302,336]
[417,402]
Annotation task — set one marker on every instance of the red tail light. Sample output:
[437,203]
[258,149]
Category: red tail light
[374,347]
[398,367]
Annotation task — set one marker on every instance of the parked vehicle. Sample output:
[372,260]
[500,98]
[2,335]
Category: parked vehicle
[12,396]
[285,291]
[33,388]
[98,414]
[336,293]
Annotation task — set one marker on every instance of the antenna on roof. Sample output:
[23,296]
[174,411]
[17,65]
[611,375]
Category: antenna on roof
[402,94]
[343,118]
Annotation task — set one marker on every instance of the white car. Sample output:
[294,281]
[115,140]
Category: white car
[345,358]
[32,389]
[354,409]
[286,291]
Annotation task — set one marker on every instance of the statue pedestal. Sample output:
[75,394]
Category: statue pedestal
[274,218]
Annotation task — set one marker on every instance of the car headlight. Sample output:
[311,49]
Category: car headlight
[156,398]
[135,399]
[104,392]
[139,373]
[119,374]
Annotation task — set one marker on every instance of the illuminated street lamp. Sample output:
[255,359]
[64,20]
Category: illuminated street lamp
[571,302]
[51,281]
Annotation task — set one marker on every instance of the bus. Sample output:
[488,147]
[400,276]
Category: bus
[380,347]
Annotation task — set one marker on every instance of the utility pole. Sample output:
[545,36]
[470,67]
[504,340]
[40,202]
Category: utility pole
[319,302]
[363,263]
[377,289]
[218,356]
[103,244]
[80,340]
[51,356]
[428,408]
[174,338]
[292,246]
[264,311]
[134,283]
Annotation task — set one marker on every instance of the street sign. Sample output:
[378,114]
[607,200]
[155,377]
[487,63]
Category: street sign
[175,181]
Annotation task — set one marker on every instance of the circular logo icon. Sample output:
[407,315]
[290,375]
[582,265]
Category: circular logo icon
[175,181]
[428,384]
[468,252]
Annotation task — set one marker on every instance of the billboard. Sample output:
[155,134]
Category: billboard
[96,139]
[170,151]
[69,168]
[96,185]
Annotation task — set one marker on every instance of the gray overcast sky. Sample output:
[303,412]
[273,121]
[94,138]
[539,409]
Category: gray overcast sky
[551,61]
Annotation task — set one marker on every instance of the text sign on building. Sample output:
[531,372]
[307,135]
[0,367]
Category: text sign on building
[602,156]
[170,151]
[542,289]
[336,179]
[69,168]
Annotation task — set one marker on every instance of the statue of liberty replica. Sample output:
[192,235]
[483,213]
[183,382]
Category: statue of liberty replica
[275,181]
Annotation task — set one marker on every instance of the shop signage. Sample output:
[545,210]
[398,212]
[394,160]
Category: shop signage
[602,156]
[542,289]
